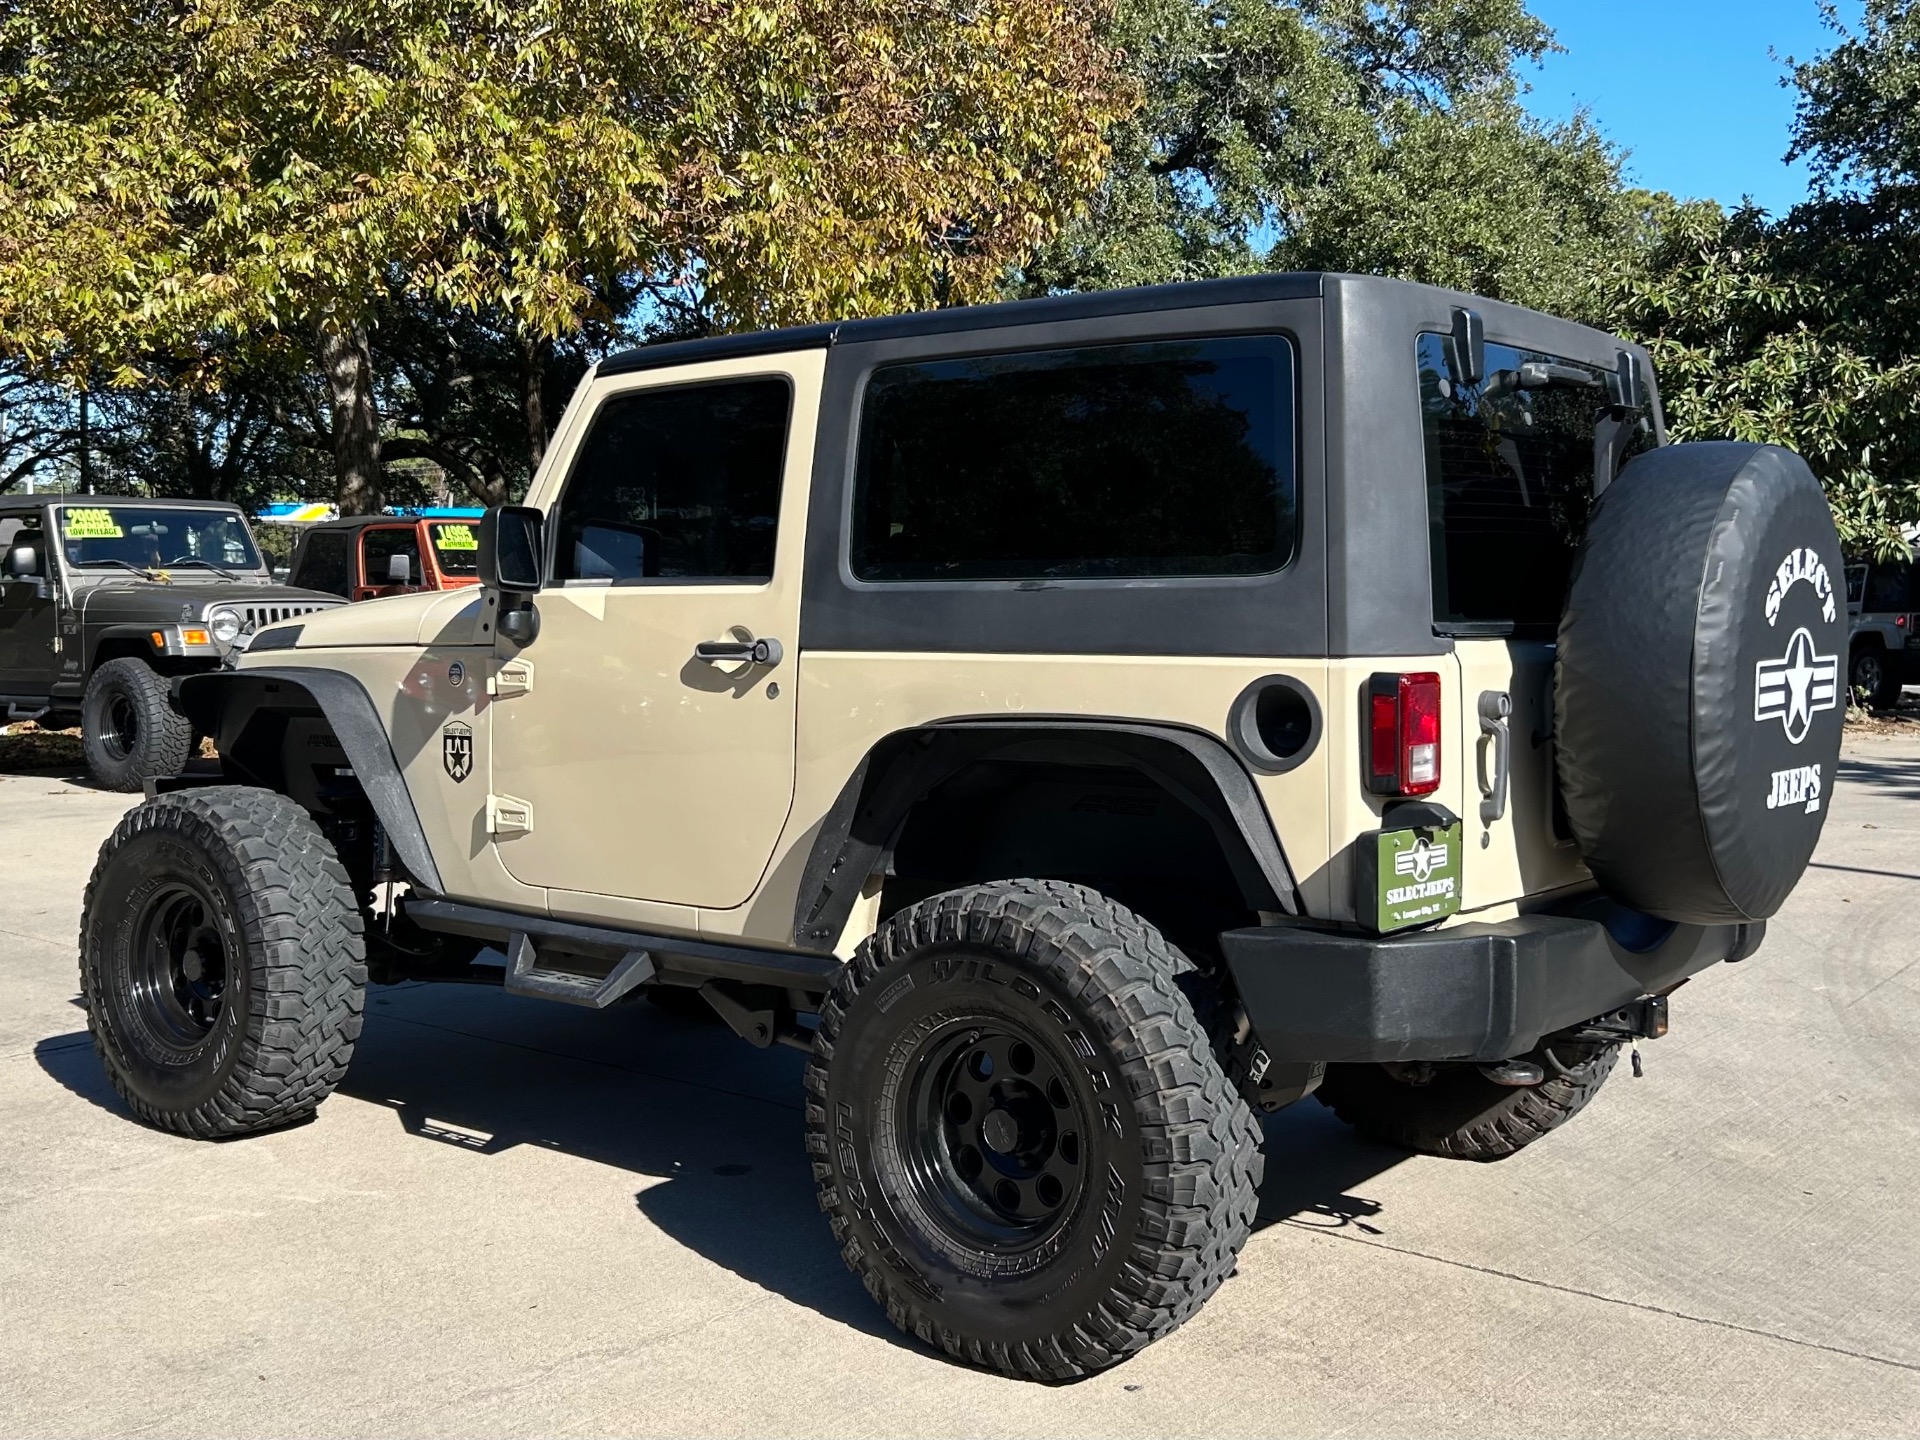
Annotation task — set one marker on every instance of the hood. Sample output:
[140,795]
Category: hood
[430,617]
[150,601]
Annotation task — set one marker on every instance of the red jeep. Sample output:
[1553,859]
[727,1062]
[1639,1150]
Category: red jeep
[363,557]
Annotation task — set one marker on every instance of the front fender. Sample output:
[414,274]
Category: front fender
[231,706]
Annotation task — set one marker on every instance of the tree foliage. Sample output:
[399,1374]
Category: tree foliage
[285,167]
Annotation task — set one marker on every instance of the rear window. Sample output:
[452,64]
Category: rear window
[1889,586]
[323,563]
[1164,459]
[1509,489]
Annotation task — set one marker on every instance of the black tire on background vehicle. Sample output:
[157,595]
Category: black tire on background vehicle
[1870,678]
[1697,704]
[222,962]
[1021,1134]
[128,727]
[1459,1113]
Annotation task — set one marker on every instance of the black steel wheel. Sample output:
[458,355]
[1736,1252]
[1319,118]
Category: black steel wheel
[989,1133]
[1027,1147]
[128,727]
[221,962]
[1870,679]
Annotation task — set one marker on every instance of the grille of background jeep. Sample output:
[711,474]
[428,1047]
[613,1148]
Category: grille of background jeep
[258,617]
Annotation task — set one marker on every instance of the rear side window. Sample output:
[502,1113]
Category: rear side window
[677,484]
[323,563]
[456,549]
[1509,489]
[1163,459]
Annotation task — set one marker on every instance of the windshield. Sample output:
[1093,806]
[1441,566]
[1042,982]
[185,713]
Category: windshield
[1509,487]
[456,550]
[154,537]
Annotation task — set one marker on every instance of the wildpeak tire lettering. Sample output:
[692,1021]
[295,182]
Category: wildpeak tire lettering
[1801,564]
[1797,786]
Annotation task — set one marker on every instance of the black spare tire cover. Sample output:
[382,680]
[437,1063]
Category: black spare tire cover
[1699,693]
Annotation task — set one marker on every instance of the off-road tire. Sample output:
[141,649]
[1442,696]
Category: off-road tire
[1459,1113]
[128,727]
[275,911]
[1170,1156]
[1870,678]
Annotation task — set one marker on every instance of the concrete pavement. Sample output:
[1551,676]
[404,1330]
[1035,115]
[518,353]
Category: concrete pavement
[518,1219]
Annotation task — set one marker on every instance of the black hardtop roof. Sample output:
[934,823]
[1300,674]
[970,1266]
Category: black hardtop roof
[1088,305]
[360,522]
[19,502]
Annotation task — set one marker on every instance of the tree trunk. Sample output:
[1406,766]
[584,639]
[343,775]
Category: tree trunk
[348,361]
[535,351]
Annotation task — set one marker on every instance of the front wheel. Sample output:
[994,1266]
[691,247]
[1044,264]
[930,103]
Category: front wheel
[1026,1146]
[128,727]
[221,962]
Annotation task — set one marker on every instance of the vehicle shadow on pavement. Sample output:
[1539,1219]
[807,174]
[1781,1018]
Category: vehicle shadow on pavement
[1315,1162]
[713,1126]
[1899,779]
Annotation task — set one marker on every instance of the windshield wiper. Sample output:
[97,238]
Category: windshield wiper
[196,560]
[141,570]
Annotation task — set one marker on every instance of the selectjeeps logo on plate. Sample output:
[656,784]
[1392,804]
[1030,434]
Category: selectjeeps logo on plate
[1796,687]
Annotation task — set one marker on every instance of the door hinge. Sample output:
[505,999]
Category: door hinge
[515,677]
[508,816]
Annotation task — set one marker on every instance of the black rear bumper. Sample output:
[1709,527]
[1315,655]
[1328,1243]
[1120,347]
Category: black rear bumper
[1468,992]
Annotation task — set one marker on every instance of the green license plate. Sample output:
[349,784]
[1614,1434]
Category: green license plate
[1415,876]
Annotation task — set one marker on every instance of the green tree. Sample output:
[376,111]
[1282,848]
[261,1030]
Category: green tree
[287,167]
[1374,135]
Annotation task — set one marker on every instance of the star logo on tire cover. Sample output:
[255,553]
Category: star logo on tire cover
[1796,687]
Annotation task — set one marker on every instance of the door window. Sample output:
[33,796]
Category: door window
[378,549]
[676,484]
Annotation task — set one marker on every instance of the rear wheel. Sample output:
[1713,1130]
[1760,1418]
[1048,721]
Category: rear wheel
[128,727]
[1870,679]
[1020,1131]
[221,962]
[1456,1111]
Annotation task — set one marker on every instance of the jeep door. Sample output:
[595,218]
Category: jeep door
[27,618]
[675,519]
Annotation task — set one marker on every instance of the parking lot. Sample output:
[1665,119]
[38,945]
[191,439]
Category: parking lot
[517,1218]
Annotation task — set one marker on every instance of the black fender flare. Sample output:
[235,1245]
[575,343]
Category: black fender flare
[900,770]
[224,702]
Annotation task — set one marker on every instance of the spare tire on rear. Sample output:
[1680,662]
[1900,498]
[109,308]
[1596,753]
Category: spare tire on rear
[1699,692]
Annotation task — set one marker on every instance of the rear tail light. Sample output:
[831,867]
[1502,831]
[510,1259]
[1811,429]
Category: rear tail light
[1403,734]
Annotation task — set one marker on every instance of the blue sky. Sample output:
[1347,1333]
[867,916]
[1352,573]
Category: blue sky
[1688,87]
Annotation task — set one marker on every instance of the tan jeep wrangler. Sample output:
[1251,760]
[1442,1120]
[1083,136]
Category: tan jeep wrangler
[1078,725]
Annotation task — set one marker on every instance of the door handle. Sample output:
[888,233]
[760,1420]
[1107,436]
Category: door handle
[1495,707]
[754,652]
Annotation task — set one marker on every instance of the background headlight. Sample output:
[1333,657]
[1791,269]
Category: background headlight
[225,625]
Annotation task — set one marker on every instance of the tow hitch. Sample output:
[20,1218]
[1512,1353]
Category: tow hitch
[1643,1019]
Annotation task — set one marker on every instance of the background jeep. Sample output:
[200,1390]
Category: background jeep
[104,599]
[1883,651]
[1077,725]
[364,557]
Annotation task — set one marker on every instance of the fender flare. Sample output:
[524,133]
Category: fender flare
[902,768]
[224,702]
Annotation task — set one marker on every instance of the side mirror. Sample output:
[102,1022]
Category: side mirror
[510,550]
[23,562]
[399,570]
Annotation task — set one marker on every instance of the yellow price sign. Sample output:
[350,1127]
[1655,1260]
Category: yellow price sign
[86,524]
[454,537]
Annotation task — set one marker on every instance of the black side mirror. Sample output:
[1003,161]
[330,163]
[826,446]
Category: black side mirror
[23,562]
[510,549]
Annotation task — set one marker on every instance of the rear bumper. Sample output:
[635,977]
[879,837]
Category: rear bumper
[1468,992]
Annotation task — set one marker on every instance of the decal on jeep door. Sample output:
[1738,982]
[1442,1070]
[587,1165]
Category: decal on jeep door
[1796,687]
[456,748]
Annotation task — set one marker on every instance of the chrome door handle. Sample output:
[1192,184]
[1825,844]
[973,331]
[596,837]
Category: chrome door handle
[754,652]
[1495,707]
